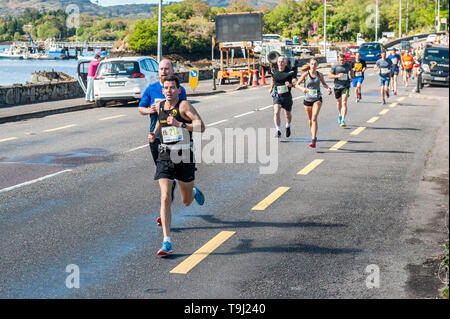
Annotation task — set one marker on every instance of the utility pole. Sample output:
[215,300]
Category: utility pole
[325,27]
[407,15]
[376,22]
[439,15]
[400,20]
[159,31]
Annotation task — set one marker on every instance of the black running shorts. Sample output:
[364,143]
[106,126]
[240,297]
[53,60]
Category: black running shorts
[285,101]
[184,172]
[338,92]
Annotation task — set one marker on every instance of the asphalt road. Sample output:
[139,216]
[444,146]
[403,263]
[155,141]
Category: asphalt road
[78,189]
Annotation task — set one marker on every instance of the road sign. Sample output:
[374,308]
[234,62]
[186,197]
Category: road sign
[331,57]
[193,78]
[388,34]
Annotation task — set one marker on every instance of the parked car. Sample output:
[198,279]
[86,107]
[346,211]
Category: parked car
[121,79]
[435,63]
[350,52]
[370,51]
[431,38]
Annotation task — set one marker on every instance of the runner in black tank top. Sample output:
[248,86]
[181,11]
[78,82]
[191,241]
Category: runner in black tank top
[313,98]
[283,79]
[176,122]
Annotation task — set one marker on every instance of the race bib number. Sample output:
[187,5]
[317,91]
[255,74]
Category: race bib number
[408,63]
[345,77]
[394,60]
[384,71]
[171,134]
[158,100]
[313,93]
[282,89]
[358,74]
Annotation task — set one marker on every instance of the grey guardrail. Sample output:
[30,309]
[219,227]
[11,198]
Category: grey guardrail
[420,36]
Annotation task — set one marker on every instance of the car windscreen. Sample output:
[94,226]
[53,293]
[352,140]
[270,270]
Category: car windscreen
[435,54]
[118,68]
[352,50]
[370,47]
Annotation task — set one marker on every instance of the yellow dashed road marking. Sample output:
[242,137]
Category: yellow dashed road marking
[338,145]
[8,139]
[266,202]
[373,119]
[358,130]
[60,128]
[307,169]
[202,253]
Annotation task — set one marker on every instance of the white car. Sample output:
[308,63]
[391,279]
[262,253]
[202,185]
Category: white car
[431,38]
[124,79]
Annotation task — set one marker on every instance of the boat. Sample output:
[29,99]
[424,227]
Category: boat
[91,54]
[13,52]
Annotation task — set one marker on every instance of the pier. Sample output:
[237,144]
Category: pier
[72,49]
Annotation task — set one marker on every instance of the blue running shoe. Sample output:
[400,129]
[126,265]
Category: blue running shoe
[199,197]
[339,119]
[165,250]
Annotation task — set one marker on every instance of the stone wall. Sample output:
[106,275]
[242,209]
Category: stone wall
[33,93]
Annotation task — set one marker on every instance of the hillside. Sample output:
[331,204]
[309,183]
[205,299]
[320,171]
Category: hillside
[16,7]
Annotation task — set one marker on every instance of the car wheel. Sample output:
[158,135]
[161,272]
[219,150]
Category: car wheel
[100,103]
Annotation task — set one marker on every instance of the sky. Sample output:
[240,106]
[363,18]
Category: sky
[118,2]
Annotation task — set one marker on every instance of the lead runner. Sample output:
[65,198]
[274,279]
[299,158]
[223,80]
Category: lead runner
[177,119]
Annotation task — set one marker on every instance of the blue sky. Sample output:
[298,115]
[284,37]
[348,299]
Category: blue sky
[117,2]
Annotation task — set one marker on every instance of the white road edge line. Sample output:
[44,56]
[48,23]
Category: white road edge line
[218,122]
[136,148]
[243,114]
[33,181]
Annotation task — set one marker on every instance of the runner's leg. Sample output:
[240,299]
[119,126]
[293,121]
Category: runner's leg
[165,186]
[315,113]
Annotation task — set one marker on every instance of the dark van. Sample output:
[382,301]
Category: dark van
[435,66]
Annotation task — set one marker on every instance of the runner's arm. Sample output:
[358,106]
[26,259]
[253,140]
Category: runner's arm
[189,112]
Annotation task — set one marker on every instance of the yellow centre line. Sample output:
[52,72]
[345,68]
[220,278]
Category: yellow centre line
[8,139]
[383,112]
[111,117]
[373,119]
[266,202]
[193,260]
[60,128]
[338,145]
[393,104]
[308,168]
[358,130]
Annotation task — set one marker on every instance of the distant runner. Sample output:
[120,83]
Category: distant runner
[342,74]
[283,79]
[384,66]
[313,98]
[359,66]
[408,64]
[396,61]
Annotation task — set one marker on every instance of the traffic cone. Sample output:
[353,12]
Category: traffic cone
[242,79]
[263,77]
[255,78]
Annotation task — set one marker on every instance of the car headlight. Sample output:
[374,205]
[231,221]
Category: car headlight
[426,67]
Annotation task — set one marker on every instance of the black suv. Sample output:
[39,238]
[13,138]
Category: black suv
[435,66]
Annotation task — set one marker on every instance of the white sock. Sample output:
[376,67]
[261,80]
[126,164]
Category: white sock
[278,128]
[167,239]
[194,191]
[288,125]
